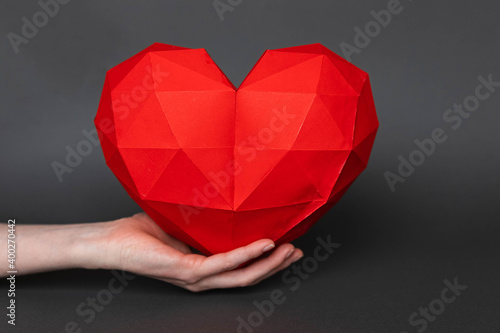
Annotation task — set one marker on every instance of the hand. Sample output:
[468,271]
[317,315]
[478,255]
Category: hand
[137,244]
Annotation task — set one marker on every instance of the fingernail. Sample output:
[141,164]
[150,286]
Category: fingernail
[267,248]
[298,258]
[289,253]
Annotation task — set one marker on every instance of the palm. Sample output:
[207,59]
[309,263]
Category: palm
[137,244]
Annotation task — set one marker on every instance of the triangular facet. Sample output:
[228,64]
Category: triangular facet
[271,63]
[193,221]
[270,223]
[145,165]
[277,189]
[364,148]
[319,130]
[217,165]
[150,128]
[158,212]
[104,119]
[181,182]
[117,165]
[176,77]
[108,147]
[342,109]
[200,119]
[332,82]
[322,167]
[198,61]
[135,72]
[252,166]
[352,168]
[269,120]
[352,74]
[286,79]
[366,116]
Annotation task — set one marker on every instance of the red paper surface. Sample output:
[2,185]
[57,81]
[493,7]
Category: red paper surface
[219,167]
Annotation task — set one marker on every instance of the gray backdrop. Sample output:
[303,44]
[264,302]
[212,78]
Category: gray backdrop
[398,246]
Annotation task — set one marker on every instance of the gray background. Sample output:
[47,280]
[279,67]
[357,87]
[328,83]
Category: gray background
[397,247]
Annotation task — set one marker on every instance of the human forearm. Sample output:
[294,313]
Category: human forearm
[138,245]
[51,247]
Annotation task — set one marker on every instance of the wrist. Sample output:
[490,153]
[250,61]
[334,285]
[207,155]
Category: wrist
[89,246]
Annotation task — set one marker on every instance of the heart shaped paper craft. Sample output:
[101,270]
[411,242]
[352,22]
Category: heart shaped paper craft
[219,167]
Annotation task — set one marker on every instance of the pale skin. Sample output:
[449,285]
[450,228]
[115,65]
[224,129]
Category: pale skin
[137,244]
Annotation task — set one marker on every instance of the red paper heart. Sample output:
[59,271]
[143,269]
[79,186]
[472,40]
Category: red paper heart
[219,167]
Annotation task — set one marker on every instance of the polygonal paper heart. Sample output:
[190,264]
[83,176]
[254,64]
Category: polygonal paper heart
[219,167]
